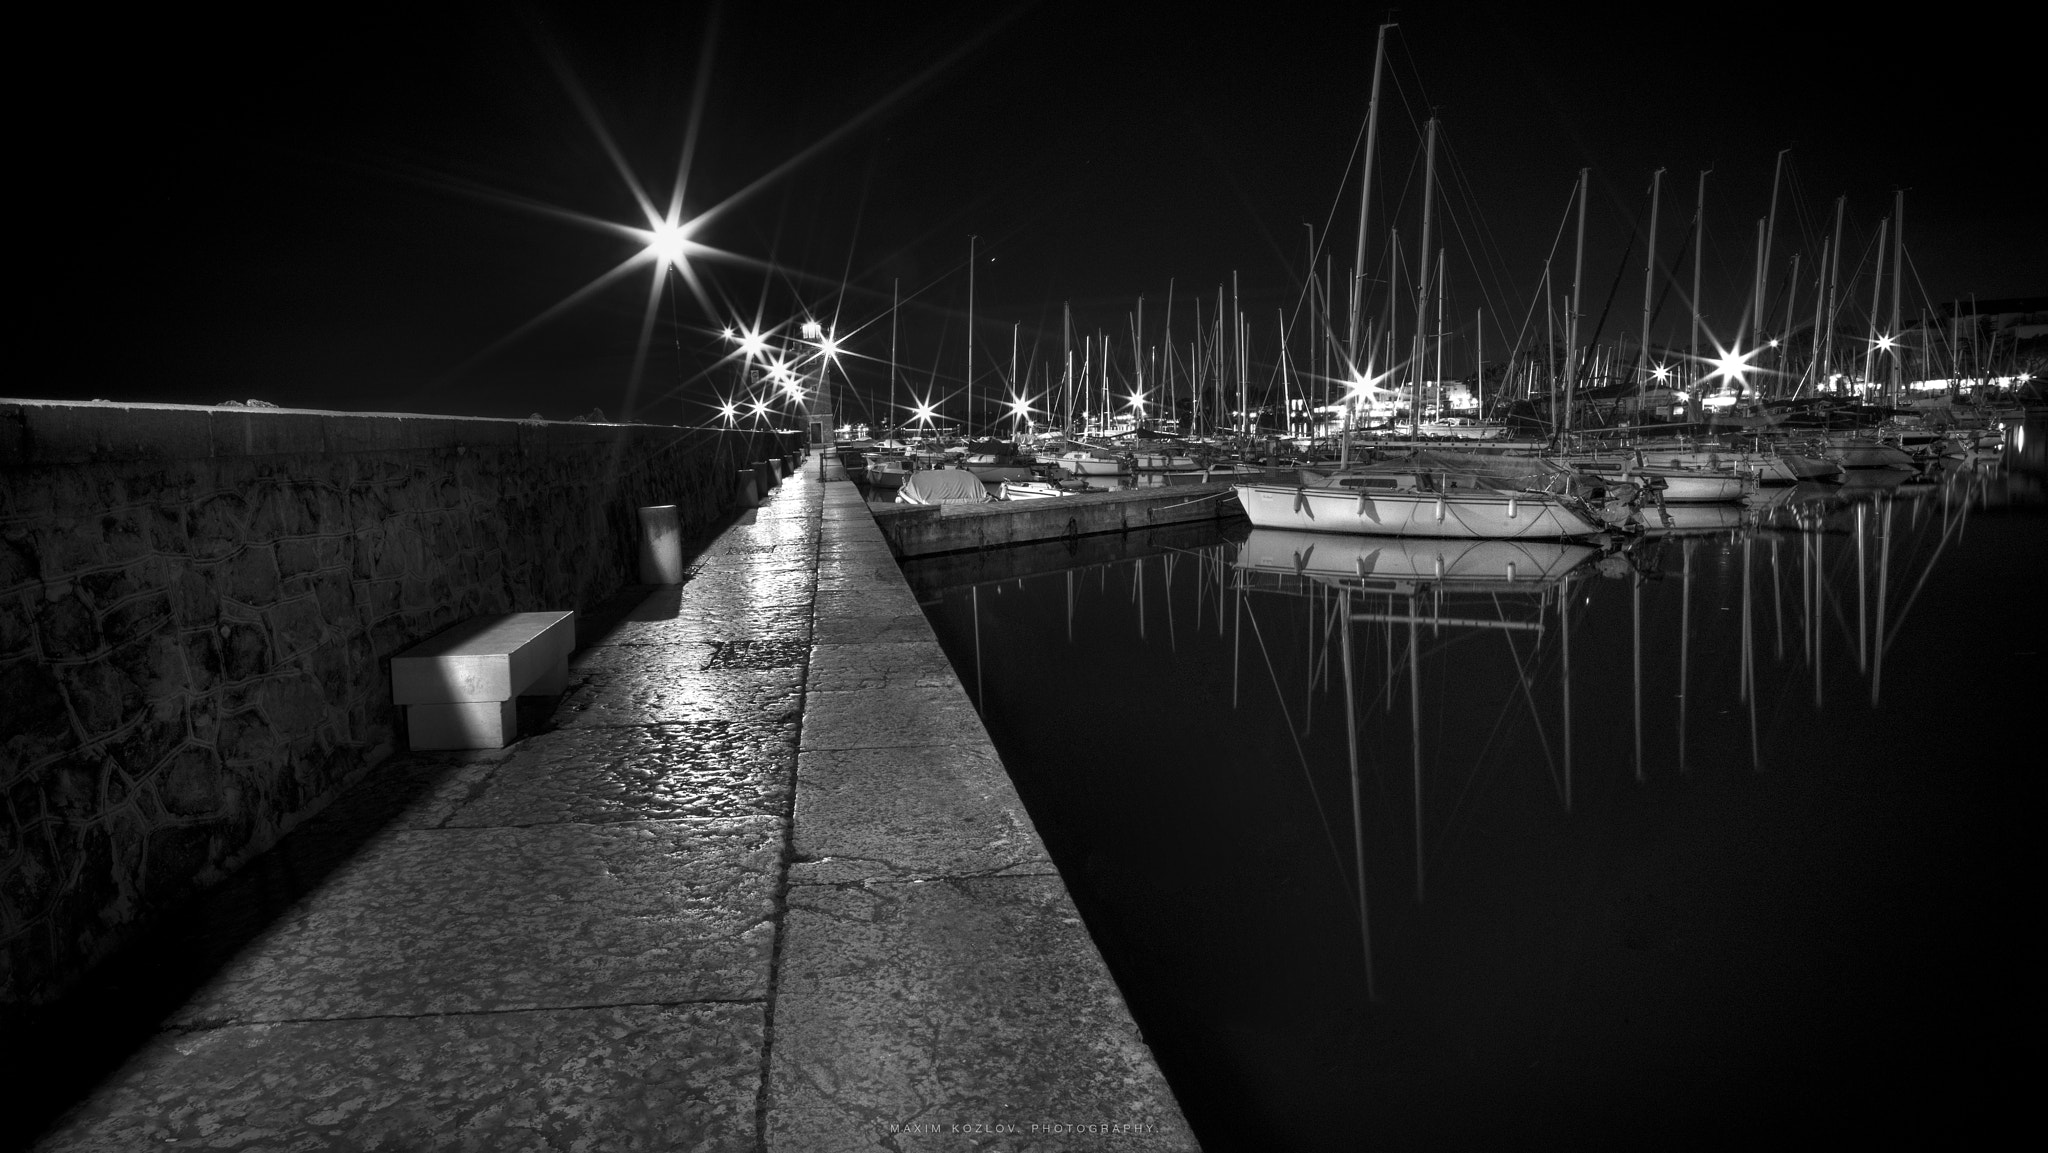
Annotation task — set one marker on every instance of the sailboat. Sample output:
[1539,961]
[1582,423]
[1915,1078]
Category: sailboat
[1432,494]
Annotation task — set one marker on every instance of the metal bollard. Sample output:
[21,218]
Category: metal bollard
[661,545]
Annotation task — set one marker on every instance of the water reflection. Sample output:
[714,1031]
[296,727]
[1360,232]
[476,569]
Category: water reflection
[1320,798]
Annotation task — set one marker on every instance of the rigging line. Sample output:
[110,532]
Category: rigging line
[1300,754]
[1898,618]
[1488,244]
[1529,317]
[1450,821]
[1946,331]
[1535,714]
[1470,245]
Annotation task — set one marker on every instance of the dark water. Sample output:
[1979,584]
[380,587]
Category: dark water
[1717,836]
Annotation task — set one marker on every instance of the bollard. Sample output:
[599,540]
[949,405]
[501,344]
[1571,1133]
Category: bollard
[748,485]
[764,478]
[661,545]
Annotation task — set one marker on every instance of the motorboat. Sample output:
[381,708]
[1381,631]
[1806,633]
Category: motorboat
[1031,490]
[1462,428]
[888,470]
[943,486]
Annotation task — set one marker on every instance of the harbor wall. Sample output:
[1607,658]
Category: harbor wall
[198,607]
[926,530]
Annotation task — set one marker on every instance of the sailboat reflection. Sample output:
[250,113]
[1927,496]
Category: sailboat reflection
[1403,586]
[1377,563]
[1470,675]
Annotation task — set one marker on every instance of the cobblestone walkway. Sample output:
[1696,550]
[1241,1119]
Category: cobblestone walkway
[759,883]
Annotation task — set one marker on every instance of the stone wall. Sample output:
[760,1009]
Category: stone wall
[198,607]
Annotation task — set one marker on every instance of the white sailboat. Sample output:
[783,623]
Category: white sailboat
[1454,496]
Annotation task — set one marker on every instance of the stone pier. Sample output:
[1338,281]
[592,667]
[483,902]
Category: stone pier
[757,882]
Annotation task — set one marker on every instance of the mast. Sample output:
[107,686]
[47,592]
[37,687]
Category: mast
[1286,398]
[1138,355]
[1167,339]
[895,288]
[1827,359]
[1439,333]
[1479,362]
[1549,347]
[1820,297]
[1699,223]
[1649,276]
[1237,361]
[1015,326]
[1422,295]
[1791,301]
[1876,299]
[1216,348]
[1067,355]
[1898,377]
[1770,233]
[1571,316]
[970,336]
[1372,131]
[1756,290]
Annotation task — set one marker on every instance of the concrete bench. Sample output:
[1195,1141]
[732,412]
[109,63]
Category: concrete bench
[458,688]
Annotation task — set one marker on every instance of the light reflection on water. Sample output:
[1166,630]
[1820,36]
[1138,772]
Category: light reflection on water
[1653,839]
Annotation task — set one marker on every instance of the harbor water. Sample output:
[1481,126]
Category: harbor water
[1709,834]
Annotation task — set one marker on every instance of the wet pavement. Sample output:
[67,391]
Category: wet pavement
[758,882]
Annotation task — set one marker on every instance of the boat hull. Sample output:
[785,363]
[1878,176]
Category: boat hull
[1447,516]
[1082,464]
[887,473]
[1682,485]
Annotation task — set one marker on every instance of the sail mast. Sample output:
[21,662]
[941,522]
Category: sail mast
[1820,300]
[970,336]
[1827,358]
[1649,277]
[1067,355]
[1372,131]
[1439,334]
[1421,345]
[1876,300]
[1166,338]
[1571,315]
[895,289]
[1898,376]
[1699,245]
[1769,234]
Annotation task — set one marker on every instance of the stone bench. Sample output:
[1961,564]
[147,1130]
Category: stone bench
[458,688]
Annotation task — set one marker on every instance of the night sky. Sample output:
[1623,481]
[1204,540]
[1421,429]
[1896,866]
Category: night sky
[365,211]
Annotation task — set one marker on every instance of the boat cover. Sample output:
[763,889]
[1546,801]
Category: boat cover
[1480,470]
[942,486]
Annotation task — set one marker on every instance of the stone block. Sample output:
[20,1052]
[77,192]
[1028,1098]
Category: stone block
[496,919]
[488,659]
[13,439]
[462,725]
[59,434]
[633,1079]
[246,432]
[983,993]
